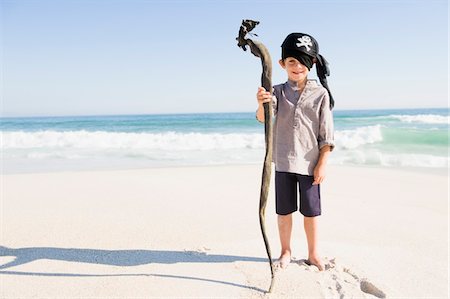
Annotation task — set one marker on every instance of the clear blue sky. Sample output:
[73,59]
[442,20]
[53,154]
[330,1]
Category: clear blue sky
[139,57]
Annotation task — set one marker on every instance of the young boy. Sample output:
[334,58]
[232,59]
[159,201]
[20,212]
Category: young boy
[303,139]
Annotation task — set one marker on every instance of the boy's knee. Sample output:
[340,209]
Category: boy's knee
[311,213]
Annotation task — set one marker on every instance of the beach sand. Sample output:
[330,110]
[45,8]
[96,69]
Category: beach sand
[193,232]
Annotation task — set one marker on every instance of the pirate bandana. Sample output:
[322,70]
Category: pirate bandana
[302,44]
[305,49]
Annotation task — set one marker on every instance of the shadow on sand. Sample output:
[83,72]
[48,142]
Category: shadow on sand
[121,258]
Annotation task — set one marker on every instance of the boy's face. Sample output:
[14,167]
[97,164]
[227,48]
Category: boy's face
[295,70]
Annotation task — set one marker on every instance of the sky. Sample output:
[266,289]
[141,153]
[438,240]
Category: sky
[98,57]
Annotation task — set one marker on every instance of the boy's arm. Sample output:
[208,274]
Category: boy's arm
[326,140]
[260,113]
[320,169]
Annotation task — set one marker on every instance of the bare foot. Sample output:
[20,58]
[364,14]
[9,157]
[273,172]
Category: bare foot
[316,261]
[284,260]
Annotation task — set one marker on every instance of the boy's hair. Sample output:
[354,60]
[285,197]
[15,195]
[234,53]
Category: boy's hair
[305,49]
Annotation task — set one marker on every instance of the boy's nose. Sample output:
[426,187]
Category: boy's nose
[300,65]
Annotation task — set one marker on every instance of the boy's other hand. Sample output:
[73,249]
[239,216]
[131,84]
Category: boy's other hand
[263,96]
[319,174]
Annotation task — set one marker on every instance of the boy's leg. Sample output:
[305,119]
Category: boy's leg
[285,204]
[311,230]
[285,230]
[310,207]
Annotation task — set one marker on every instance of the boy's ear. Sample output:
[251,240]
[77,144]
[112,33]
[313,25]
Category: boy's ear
[281,62]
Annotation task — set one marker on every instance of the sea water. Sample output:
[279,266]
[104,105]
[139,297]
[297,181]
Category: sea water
[389,138]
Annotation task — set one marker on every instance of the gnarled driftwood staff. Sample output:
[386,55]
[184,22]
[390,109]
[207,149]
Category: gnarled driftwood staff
[259,50]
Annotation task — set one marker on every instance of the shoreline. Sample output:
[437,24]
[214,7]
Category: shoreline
[193,232]
[440,171]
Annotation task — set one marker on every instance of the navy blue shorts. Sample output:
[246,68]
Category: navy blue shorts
[286,194]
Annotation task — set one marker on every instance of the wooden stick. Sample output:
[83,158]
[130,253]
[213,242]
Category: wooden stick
[259,50]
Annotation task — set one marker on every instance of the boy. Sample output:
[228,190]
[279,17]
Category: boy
[303,140]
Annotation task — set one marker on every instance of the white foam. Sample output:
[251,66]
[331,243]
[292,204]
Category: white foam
[351,139]
[375,157]
[168,141]
[361,146]
[423,118]
[171,141]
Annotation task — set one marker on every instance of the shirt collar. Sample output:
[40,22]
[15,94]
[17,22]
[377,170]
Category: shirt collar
[309,83]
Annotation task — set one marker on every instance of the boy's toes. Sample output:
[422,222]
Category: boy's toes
[316,262]
[283,262]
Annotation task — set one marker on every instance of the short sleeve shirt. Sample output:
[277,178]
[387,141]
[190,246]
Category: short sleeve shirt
[303,125]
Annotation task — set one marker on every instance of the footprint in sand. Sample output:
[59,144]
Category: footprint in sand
[338,281]
[370,288]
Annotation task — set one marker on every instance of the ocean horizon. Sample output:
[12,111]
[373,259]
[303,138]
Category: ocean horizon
[379,137]
[213,112]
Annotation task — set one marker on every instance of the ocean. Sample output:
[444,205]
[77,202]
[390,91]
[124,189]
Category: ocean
[386,138]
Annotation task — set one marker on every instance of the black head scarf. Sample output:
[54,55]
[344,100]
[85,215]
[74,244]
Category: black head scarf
[305,48]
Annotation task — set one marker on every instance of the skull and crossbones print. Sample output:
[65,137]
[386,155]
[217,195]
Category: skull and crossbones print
[305,41]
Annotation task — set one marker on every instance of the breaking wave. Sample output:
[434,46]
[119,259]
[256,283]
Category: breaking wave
[423,118]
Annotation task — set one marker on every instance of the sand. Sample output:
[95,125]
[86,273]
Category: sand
[193,232]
